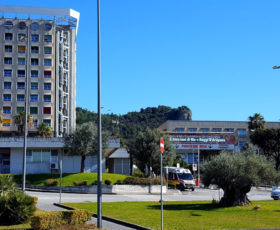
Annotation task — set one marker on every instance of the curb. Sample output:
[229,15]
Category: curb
[116,221]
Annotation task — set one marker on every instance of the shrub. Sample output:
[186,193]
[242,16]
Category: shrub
[52,220]
[108,182]
[119,182]
[80,183]
[94,182]
[16,208]
[142,181]
[51,182]
[7,184]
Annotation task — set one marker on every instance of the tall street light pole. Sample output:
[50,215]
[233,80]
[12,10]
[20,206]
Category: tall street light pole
[99,163]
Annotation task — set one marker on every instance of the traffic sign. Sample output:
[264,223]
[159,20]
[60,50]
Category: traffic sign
[161,145]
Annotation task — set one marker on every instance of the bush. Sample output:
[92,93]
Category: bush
[16,208]
[142,181]
[7,184]
[52,220]
[94,182]
[80,183]
[51,182]
[119,182]
[108,182]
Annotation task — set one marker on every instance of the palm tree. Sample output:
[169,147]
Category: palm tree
[256,122]
[19,121]
[44,130]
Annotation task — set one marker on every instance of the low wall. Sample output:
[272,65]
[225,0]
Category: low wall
[113,189]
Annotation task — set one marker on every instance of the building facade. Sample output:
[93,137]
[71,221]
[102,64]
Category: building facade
[38,75]
[38,67]
[191,137]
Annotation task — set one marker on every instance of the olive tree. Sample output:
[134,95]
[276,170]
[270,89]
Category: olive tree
[236,173]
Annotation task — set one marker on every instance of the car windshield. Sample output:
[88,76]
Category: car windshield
[185,176]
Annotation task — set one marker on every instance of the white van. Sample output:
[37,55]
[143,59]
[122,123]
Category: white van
[180,178]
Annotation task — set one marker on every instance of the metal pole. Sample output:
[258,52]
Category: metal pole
[198,167]
[161,201]
[99,164]
[25,113]
[60,166]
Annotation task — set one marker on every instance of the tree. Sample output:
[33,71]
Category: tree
[0,116]
[19,121]
[236,174]
[84,142]
[146,152]
[44,130]
[269,141]
[256,122]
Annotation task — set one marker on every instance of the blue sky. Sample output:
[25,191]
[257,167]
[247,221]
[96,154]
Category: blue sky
[213,56]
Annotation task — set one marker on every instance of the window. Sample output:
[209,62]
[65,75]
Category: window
[7,97]
[34,37]
[34,26]
[20,109]
[34,73]
[47,98]
[47,74]
[36,156]
[7,72]
[20,97]
[6,109]
[47,62]
[20,85]
[47,122]
[179,130]
[21,61]
[33,110]
[22,25]
[39,156]
[229,130]
[6,122]
[48,38]
[21,73]
[47,86]
[8,61]
[21,49]
[48,26]
[34,97]
[8,36]
[217,130]
[47,50]
[34,85]
[35,122]
[34,61]
[47,110]
[8,24]
[21,37]
[34,49]
[204,130]
[7,85]
[192,130]
[242,144]
[241,132]
[8,49]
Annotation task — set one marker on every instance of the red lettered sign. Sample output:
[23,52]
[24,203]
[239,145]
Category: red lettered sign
[161,145]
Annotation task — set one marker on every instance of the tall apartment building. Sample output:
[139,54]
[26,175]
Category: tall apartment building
[38,66]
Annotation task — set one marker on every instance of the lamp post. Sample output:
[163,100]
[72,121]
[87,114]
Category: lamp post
[99,160]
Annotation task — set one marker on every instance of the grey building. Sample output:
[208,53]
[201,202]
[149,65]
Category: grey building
[190,137]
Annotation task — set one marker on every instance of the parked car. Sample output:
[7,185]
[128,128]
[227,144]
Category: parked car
[275,193]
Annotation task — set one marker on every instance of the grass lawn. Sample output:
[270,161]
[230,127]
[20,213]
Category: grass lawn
[68,178]
[191,215]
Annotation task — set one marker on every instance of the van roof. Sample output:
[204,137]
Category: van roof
[178,170]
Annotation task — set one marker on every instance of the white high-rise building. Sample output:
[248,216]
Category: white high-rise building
[38,64]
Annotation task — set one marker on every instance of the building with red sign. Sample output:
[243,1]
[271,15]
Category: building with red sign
[191,137]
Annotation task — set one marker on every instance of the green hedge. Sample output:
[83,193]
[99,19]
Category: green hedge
[142,181]
[51,182]
[80,183]
[51,220]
